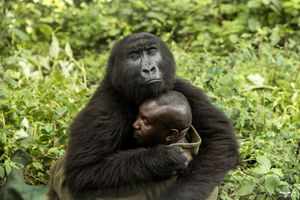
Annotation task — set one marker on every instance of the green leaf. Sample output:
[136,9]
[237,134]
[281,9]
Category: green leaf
[253,4]
[114,32]
[61,110]
[264,161]
[21,34]
[256,79]
[277,171]
[275,37]
[66,67]
[68,50]
[211,95]
[3,137]
[261,170]
[233,38]
[48,128]
[54,47]
[26,68]
[37,165]
[271,183]
[1,172]
[285,190]
[29,103]
[161,17]
[246,189]
[227,80]
[295,194]
[13,164]
[279,61]
[46,29]
[14,59]
[266,2]
[253,24]
[26,142]
[7,169]
[56,151]
[53,149]
[25,123]
[20,134]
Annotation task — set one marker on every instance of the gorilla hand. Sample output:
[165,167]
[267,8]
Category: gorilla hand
[167,160]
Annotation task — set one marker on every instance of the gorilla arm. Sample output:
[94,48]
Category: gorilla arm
[218,151]
[95,160]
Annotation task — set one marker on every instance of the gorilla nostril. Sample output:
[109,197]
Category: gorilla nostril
[149,70]
[153,69]
[146,71]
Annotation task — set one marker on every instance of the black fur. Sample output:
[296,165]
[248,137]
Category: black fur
[102,154]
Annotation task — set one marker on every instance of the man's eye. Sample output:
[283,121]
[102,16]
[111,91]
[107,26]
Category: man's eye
[134,56]
[145,121]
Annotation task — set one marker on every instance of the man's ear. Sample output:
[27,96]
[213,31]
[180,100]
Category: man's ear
[173,133]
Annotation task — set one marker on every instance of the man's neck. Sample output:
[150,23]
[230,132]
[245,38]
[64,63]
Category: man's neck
[180,140]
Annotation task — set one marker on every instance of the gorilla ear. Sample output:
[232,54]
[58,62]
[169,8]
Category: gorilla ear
[172,134]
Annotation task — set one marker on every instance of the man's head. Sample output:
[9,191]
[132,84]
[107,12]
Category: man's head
[163,120]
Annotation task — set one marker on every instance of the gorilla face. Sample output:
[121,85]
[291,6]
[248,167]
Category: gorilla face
[146,62]
[142,66]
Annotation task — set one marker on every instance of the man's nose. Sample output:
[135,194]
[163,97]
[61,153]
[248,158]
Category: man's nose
[135,124]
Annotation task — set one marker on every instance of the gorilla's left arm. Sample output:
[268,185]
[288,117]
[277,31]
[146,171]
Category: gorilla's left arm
[218,151]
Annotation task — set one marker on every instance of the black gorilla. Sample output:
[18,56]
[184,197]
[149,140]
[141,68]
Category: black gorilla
[101,153]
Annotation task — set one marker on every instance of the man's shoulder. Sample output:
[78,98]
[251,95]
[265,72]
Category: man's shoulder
[192,147]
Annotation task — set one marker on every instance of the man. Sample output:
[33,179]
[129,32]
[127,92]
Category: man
[164,120]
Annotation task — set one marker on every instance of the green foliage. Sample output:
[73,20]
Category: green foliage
[244,54]
[259,90]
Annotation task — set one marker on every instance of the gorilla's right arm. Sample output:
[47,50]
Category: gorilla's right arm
[95,160]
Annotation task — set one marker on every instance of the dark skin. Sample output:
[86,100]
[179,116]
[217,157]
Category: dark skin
[154,124]
[101,153]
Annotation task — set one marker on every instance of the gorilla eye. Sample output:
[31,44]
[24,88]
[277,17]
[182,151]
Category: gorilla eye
[134,56]
[152,52]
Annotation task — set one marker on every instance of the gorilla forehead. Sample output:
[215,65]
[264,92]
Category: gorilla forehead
[139,41]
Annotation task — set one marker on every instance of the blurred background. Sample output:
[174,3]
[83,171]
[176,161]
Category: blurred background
[244,54]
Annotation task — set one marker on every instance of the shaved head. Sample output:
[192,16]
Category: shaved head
[175,103]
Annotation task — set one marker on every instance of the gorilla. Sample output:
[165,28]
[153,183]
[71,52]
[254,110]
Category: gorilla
[102,154]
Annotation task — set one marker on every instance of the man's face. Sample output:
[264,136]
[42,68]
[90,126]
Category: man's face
[149,126]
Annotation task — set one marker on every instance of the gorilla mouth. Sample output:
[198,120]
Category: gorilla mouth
[153,81]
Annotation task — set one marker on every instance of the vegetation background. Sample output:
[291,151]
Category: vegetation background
[244,54]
